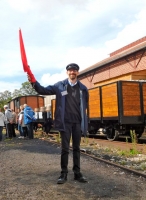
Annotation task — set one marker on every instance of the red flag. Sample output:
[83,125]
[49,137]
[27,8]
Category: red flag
[23,54]
[24,59]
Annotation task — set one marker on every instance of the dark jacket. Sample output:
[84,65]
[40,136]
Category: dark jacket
[57,90]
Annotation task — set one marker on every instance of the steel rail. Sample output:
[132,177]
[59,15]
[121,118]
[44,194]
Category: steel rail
[115,165]
[104,161]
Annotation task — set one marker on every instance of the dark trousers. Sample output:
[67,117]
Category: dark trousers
[13,130]
[1,134]
[74,130]
[35,126]
[30,130]
[9,130]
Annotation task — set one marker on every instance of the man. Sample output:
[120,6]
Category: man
[2,123]
[28,120]
[70,116]
[8,121]
[21,126]
[48,123]
[13,123]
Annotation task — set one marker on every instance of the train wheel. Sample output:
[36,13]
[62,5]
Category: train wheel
[112,134]
[139,132]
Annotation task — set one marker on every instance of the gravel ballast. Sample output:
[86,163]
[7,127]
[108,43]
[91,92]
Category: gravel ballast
[29,170]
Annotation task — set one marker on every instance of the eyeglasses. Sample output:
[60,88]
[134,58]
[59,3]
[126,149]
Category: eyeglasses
[74,70]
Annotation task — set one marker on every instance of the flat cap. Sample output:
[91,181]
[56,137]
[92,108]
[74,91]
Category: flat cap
[72,66]
[5,106]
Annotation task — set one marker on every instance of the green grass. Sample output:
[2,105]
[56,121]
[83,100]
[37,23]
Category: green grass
[58,139]
[129,153]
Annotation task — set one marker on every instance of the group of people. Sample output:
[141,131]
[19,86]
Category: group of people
[2,123]
[70,117]
[24,121]
[9,120]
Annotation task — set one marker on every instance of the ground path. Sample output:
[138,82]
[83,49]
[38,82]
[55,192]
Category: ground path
[29,170]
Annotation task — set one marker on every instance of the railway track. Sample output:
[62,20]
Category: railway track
[114,144]
[115,165]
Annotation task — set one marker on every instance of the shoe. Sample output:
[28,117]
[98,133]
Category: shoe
[62,179]
[79,177]
[21,137]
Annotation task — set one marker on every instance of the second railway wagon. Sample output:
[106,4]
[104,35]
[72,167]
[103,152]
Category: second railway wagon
[34,101]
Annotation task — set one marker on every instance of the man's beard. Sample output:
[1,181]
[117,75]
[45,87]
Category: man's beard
[72,76]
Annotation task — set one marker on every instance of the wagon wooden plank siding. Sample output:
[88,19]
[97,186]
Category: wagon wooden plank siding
[121,99]
[109,100]
[94,103]
[131,99]
[143,85]
[33,101]
[130,102]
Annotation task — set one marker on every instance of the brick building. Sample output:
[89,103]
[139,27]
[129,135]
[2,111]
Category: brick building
[126,63]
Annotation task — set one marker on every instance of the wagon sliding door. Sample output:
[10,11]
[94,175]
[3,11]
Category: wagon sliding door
[109,95]
[94,108]
[122,101]
[130,102]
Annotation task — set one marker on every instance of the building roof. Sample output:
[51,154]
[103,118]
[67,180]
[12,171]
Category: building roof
[118,54]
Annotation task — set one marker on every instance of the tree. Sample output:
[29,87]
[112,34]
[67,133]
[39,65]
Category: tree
[16,93]
[5,97]
[27,89]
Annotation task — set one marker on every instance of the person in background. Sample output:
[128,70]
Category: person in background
[19,121]
[8,121]
[14,120]
[18,125]
[23,128]
[48,124]
[70,116]
[28,120]
[2,120]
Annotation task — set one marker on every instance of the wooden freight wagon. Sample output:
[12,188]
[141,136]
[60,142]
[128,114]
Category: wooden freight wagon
[116,108]
[37,103]
[34,101]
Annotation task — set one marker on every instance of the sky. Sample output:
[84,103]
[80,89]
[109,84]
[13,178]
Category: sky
[59,32]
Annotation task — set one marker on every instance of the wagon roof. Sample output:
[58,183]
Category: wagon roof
[26,96]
